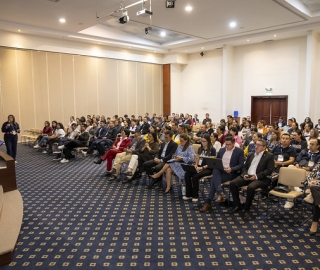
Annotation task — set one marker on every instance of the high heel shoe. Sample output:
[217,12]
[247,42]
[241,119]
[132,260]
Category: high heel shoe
[167,191]
[312,233]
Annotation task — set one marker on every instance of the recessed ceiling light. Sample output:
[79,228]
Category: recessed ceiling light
[275,35]
[129,47]
[163,34]
[188,8]
[248,39]
[19,30]
[232,24]
[202,48]
[62,20]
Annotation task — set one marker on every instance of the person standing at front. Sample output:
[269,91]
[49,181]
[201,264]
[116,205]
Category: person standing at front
[11,129]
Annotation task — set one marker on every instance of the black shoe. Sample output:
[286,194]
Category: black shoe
[234,209]
[97,160]
[246,215]
[153,182]
[126,180]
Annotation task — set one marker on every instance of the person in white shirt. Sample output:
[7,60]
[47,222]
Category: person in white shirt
[258,166]
[215,141]
[59,133]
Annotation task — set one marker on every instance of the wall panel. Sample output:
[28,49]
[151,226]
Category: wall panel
[149,89]
[102,87]
[10,94]
[92,83]
[67,82]
[79,69]
[54,86]
[26,94]
[157,89]
[132,88]
[113,88]
[141,93]
[123,87]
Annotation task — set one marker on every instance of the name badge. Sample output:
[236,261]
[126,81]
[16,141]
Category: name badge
[310,163]
[14,132]
[200,162]
[280,158]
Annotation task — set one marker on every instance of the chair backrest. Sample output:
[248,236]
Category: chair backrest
[196,147]
[291,176]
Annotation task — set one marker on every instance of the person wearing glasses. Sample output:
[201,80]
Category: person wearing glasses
[232,160]
[254,174]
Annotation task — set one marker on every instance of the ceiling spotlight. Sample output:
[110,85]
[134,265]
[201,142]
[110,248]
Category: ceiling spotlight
[202,54]
[188,8]
[274,35]
[163,34]
[233,24]
[62,20]
[248,39]
[147,29]
[124,18]
[19,30]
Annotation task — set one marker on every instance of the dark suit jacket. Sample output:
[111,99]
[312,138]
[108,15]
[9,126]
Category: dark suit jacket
[171,149]
[264,168]
[141,142]
[144,128]
[236,161]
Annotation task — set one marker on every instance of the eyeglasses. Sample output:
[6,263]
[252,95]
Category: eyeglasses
[259,144]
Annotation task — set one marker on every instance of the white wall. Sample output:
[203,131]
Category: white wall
[196,87]
[278,64]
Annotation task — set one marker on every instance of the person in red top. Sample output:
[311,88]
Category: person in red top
[118,147]
[47,131]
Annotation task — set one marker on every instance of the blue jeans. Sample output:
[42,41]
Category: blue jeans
[11,144]
[218,177]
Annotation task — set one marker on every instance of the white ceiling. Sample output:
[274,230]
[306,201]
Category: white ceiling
[206,27]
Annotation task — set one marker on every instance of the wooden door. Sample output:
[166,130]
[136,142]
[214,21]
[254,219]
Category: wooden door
[269,108]
[166,90]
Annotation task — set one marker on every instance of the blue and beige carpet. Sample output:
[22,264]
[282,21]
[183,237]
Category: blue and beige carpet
[75,219]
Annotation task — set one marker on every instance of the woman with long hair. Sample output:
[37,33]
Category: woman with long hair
[185,154]
[192,179]
[11,129]
[46,131]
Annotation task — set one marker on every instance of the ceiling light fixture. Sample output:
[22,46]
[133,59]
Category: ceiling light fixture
[248,39]
[62,20]
[232,24]
[188,8]
[163,34]
[275,35]
[19,30]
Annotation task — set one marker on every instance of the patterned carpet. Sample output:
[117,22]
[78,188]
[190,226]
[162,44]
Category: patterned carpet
[75,219]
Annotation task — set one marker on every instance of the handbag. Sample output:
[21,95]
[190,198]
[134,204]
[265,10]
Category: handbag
[281,189]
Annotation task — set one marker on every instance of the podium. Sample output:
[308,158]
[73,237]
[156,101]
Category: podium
[7,172]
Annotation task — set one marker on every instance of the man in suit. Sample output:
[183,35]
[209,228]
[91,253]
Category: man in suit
[97,139]
[145,126]
[167,150]
[254,174]
[232,160]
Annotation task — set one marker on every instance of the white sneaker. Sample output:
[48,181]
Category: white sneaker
[183,191]
[83,152]
[64,160]
[36,146]
[186,198]
[57,152]
[57,159]
[44,152]
[298,189]
[195,199]
[61,147]
[288,205]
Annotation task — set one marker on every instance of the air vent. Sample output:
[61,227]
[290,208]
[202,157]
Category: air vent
[269,40]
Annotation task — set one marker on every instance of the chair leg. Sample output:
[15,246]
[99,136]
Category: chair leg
[272,213]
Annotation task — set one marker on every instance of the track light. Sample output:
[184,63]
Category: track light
[124,18]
